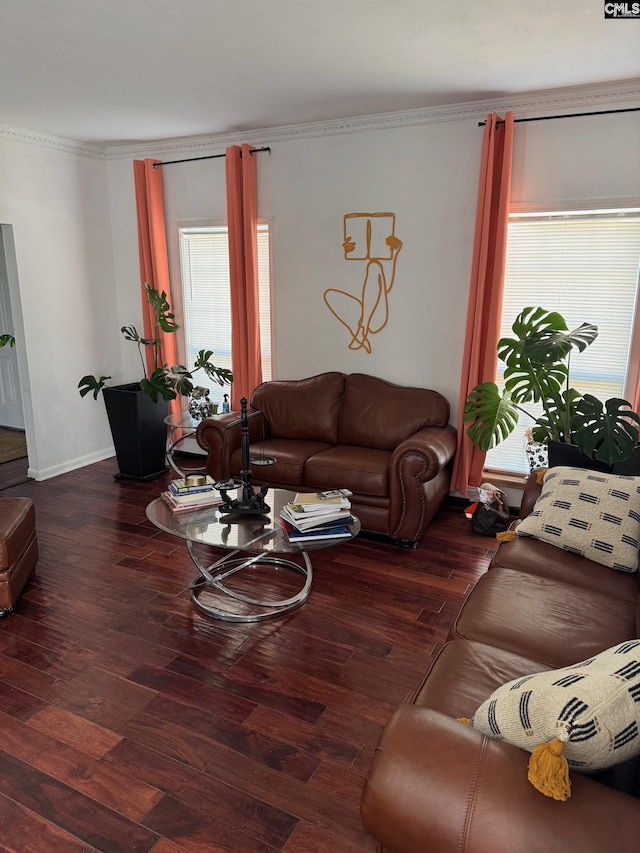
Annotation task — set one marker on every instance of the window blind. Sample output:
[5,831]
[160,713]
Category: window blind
[206,298]
[584,265]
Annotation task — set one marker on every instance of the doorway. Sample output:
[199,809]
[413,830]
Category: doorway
[13,448]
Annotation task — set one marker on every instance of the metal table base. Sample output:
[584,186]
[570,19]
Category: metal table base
[212,578]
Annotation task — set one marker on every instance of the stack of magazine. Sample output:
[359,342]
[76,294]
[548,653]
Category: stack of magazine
[318,515]
[181,495]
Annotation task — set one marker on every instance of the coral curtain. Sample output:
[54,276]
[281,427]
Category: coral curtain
[154,262]
[480,358]
[242,216]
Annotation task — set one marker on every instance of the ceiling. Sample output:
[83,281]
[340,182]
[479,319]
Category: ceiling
[120,71]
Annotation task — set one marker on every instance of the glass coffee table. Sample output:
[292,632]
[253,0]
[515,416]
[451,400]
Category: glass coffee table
[181,427]
[263,574]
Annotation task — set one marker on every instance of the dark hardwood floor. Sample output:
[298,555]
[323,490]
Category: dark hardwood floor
[130,722]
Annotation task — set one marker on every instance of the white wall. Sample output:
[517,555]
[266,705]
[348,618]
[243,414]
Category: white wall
[427,175]
[57,203]
[77,291]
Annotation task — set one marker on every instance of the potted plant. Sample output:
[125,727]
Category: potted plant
[137,410]
[537,370]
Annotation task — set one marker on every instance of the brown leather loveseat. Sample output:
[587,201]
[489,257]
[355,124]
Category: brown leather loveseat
[389,444]
[437,785]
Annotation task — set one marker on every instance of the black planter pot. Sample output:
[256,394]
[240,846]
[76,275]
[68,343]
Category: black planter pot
[138,430]
[569,454]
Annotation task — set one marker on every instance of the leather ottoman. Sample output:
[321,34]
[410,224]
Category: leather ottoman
[18,549]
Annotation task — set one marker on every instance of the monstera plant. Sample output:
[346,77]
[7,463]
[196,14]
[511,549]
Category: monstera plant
[537,370]
[164,382]
[137,410]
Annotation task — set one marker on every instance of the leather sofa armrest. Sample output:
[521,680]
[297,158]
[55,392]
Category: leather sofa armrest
[221,436]
[435,784]
[419,477]
[432,448]
[532,491]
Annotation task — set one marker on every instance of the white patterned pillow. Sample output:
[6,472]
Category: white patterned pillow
[592,707]
[588,513]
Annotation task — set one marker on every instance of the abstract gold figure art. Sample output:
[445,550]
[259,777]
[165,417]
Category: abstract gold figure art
[370,238]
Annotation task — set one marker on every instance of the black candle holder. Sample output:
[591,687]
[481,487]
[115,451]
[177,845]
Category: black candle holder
[251,502]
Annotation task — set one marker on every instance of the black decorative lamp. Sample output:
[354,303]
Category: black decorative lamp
[251,503]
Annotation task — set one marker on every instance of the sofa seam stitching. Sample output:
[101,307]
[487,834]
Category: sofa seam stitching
[404,496]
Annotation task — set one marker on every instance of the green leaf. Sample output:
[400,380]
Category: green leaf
[527,382]
[493,416]
[554,344]
[90,384]
[162,309]
[556,422]
[607,432]
[158,385]
[130,333]
[7,340]
[527,377]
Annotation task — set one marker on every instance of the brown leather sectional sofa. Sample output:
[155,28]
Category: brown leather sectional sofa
[391,445]
[437,786]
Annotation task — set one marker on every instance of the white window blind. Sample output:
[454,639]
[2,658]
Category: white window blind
[584,265]
[204,259]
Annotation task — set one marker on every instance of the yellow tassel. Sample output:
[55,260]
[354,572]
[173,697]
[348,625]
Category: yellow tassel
[506,536]
[465,720]
[540,472]
[549,771]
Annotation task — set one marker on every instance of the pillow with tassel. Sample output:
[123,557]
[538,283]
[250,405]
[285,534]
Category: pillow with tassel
[585,716]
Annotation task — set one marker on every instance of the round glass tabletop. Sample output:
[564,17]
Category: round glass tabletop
[254,534]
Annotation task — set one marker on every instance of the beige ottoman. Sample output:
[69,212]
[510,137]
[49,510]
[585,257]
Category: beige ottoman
[18,549]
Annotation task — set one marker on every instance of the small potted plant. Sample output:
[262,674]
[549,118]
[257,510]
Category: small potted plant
[537,369]
[136,410]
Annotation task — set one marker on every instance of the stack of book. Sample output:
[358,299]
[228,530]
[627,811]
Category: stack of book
[181,495]
[321,515]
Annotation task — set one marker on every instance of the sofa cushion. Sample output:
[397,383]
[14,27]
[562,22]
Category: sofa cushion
[290,459]
[542,618]
[592,707]
[465,673]
[379,414]
[302,409]
[359,469]
[588,513]
[549,561]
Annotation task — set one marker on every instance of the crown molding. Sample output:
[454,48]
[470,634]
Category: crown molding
[57,143]
[523,105]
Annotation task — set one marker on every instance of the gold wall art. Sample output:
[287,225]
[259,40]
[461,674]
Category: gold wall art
[369,238]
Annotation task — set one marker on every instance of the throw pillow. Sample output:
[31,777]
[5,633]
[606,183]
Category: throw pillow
[588,513]
[585,716]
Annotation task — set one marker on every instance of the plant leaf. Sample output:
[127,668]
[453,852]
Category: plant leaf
[130,333]
[556,422]
[493,416]
[162,309]
[523,376]
[158,385]
[90,384]
[554,344]
[607,432]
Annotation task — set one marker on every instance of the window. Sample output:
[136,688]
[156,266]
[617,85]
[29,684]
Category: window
[585,265]
[206,302]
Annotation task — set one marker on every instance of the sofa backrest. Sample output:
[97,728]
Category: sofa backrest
[379,414]
[306,409]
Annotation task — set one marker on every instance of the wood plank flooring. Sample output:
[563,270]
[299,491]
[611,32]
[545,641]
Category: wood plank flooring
[131,722]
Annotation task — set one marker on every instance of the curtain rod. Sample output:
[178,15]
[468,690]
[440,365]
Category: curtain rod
[569,115]
[209,157]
